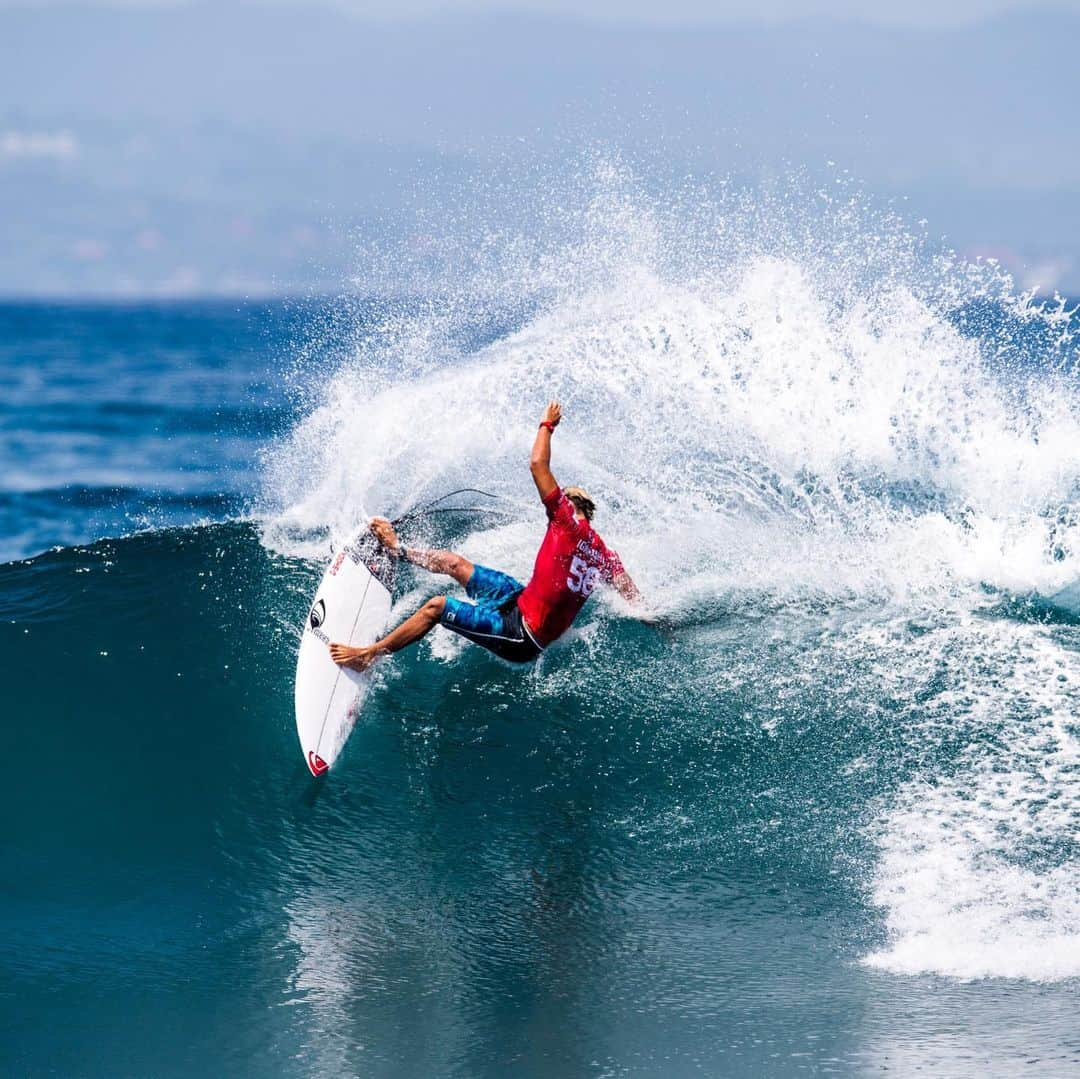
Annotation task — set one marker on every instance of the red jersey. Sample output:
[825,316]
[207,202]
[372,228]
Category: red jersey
[570,561]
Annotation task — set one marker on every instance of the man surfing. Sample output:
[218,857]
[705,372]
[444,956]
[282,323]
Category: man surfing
[515,621]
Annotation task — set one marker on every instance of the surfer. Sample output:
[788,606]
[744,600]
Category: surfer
[515,621]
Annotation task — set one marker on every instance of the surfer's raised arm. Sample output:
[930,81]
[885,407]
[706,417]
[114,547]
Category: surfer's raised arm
[540,461]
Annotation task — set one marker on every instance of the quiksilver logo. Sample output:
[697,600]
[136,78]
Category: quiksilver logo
[318,614]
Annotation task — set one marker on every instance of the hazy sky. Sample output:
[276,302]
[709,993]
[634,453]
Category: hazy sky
[911,12]
[666,12]
[219,146]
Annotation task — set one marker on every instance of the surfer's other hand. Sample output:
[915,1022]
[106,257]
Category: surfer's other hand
[553,413]
[384,532]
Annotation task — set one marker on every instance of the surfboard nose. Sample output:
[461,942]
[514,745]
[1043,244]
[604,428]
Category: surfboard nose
[316,763]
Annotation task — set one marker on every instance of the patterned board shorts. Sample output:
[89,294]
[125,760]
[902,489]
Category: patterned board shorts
[493,621]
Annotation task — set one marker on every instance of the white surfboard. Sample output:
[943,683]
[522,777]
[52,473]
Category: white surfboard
[351,607]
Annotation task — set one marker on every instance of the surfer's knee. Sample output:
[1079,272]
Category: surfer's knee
[461,569]
[435,607]
[450,563]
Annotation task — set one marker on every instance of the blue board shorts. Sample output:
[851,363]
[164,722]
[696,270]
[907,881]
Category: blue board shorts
[493,621]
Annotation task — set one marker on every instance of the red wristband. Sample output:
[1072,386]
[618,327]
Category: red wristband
[548,424]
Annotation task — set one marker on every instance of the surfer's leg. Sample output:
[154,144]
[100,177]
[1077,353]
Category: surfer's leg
[448,562]
[435,562]
[410,631]
[496,627]
[492,586]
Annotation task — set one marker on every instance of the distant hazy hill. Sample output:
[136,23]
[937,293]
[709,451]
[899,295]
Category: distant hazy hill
[222,148]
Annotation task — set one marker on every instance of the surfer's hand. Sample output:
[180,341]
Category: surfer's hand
[384,533]
[552,414]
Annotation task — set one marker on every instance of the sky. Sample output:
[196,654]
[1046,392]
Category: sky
[693,12]
[230,147]
[923,13]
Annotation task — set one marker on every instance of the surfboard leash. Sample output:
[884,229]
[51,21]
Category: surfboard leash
[429,508]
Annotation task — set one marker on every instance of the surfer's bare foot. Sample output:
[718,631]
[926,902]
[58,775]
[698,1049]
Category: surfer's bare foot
[384,533]
[356,659]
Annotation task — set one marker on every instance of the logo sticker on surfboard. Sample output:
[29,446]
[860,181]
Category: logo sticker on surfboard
[316,763]
[318,614]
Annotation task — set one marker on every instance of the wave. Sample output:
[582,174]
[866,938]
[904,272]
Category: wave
[842,466]
[797,418]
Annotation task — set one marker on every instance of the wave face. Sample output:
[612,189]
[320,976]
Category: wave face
[839,777]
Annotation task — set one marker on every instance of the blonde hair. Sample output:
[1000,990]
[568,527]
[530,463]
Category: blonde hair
[585,505]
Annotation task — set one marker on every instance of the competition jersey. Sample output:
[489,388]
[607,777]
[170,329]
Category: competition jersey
[570,561]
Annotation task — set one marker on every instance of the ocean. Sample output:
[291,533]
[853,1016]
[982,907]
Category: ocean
[819,815]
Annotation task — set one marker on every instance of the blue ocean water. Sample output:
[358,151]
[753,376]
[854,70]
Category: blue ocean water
[819,817]
[118,417]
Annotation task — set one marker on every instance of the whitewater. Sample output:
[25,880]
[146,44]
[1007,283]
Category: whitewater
[835,773]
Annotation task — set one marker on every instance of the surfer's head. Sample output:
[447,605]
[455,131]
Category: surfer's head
[582,502]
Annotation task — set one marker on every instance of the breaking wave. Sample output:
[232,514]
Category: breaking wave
[793,413]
